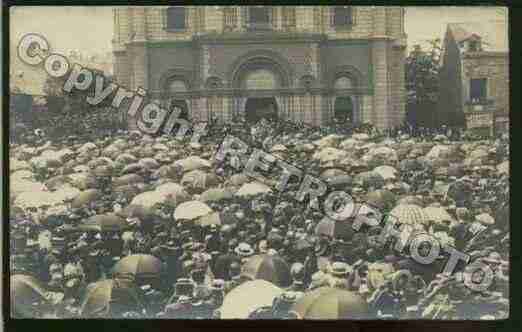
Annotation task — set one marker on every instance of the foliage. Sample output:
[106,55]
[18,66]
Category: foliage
[422,84]
[70,114]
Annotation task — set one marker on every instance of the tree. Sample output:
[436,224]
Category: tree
[70,114]
[422,84]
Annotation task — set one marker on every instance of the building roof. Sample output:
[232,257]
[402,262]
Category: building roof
[494,34]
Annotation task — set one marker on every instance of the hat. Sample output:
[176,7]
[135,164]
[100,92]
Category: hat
[340,269]
[244,249]
[184,299]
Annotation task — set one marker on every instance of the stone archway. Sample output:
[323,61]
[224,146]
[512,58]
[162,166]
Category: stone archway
[260,59]
[259,75]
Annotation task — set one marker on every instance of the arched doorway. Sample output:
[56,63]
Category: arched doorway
[256,80]
[343,109]
[259,108]
[176,86]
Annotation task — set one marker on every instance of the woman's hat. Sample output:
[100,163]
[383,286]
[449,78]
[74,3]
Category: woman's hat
[340,269]
[244,249]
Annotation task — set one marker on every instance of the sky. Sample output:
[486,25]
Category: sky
[90,28]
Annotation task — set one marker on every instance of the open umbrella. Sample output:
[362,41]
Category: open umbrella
[253,189]
[214,218]
[191,210]
[191,163]
[332,173]
[110,298]
[438,214]
[331,303]
[330,154]
[127,180]
[140,268]
[167,193]
[248,297]
[25,290]
[380,156]
[216,195]
[382,199]
[272,268]
[103,223]
[197,180]
[410,214]
[387,172]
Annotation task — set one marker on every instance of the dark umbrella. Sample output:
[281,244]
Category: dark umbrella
[140,268]
[331,303]
[222,265]
[272,268]
[25,292]
[110,298]
[381,199]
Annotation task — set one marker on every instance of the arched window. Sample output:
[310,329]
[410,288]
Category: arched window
[261,79]
[344,82]
[176,18]
[230,17]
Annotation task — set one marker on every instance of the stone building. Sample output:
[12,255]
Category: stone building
[474,78]
[301,63]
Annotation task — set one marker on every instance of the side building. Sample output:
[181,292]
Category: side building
[474,78]
[302,63]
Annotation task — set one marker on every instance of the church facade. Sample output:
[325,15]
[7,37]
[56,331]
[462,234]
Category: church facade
[306,64]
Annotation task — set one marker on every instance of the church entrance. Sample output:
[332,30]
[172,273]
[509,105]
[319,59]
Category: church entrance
[343,109]
[259,108]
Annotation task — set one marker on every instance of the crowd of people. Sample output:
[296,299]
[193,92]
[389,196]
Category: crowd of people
[134,226]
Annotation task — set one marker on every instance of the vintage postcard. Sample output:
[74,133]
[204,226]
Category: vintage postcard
[259,162]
